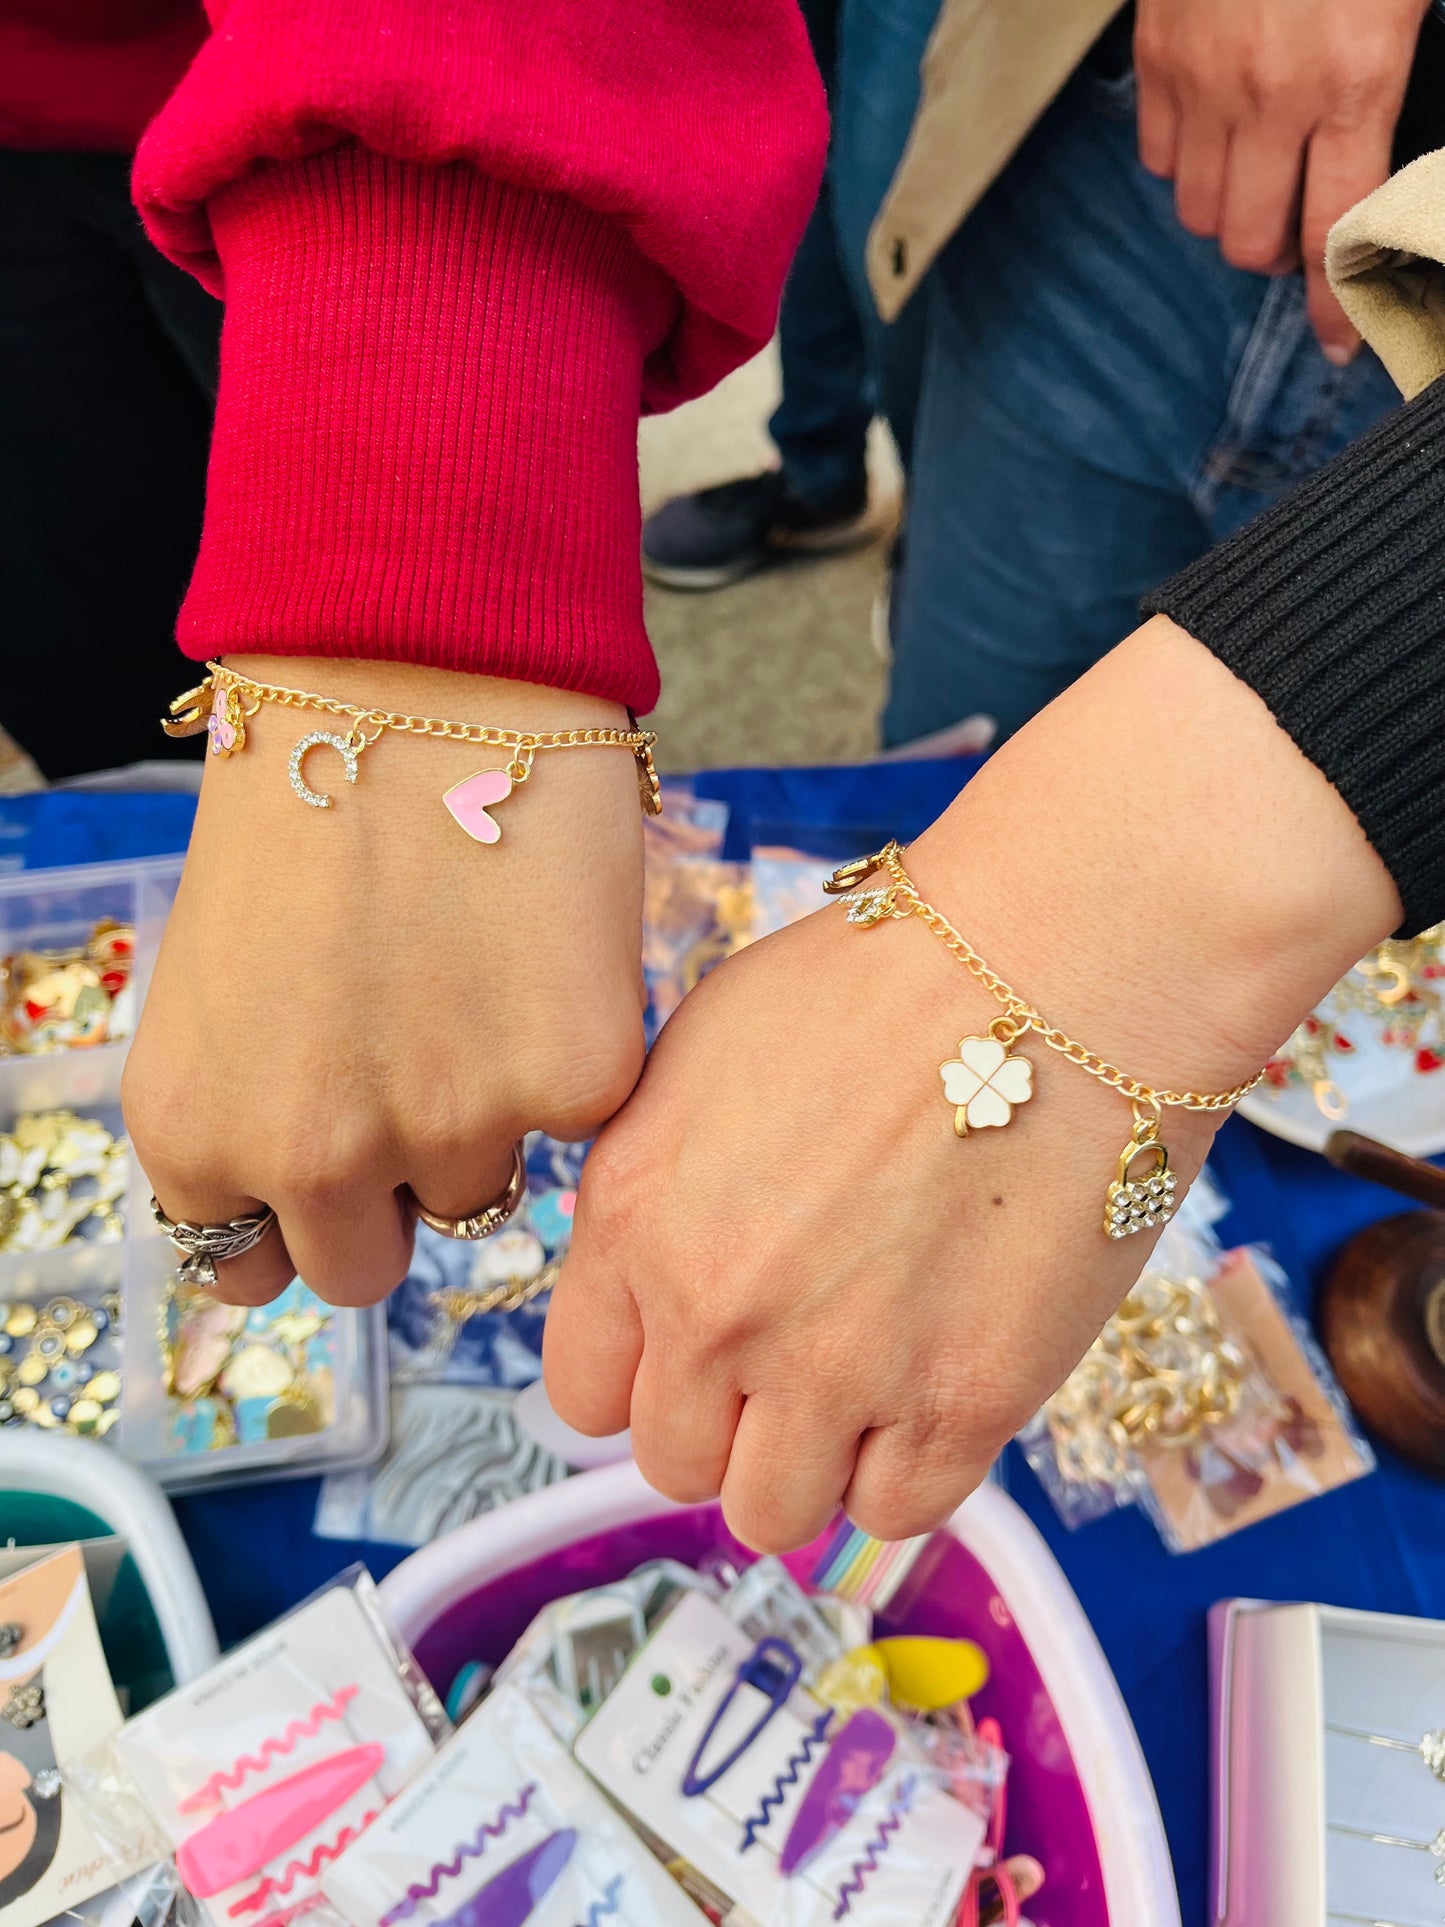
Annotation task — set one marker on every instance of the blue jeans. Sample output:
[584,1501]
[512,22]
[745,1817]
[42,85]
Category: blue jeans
[1103,398]
[840,363]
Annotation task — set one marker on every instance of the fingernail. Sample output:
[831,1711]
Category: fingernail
[1339,356]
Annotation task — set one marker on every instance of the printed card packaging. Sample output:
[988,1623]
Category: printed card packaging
[61,1704]
[264,1770]
[503,1828]
[799,1815]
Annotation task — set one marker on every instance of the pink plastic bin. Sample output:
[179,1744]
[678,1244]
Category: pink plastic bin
[1080,1797]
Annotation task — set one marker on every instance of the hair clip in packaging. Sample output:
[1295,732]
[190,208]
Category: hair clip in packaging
[772,1669]
[266,1769]
[795,1813]
[502,1828]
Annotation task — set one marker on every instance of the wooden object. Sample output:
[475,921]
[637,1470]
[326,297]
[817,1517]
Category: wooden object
[1383,1320]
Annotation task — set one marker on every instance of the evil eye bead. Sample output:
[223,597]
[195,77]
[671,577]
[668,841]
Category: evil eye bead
[65,1375]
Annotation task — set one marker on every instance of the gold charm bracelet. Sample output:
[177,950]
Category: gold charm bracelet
[232,700]
[989,1078]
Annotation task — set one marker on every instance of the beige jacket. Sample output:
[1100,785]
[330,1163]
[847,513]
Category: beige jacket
[990,70]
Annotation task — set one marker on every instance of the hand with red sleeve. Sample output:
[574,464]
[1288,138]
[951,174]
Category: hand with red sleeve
[461,248]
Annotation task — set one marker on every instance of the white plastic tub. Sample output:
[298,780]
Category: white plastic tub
[136,1510]
[1079,1789]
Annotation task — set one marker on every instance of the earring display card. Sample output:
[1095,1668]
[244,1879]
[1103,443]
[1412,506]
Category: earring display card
[56,1704]
[798,1815]
[502,1827]
[270,1765]
[1330,1736]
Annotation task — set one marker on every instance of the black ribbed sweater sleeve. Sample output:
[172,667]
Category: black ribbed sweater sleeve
[1331,606]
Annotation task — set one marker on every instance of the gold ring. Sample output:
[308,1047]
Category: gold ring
[481,1224]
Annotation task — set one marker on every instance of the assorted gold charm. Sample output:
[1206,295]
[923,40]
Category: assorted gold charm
[61,1177]
[989,1079]
[1163,1372]
[239,1377]
[1394,996]
[222,705]
[68,999]
[54,1369]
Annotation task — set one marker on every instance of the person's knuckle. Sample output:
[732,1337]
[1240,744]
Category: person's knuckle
[1254,249]
[159,1112]
[599,1076]
[683,1484]
[759,1515]
[320,1166]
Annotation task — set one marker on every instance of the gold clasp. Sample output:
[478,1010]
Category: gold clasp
[849,875]
[189,713]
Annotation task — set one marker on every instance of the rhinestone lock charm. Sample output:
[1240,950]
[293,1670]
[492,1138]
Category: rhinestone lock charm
[1140,1202]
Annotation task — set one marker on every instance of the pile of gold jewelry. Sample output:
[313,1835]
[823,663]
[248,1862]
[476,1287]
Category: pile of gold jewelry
[49,1375]
[61,1176]
[1161,1373]
[1400,986]
[68,999]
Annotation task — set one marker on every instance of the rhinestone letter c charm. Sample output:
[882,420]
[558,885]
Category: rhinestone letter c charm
[1140,1204]
[345,750]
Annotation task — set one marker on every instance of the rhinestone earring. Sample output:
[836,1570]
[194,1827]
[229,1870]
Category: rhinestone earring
[10,1637]
[25,1706]
[1431,1747]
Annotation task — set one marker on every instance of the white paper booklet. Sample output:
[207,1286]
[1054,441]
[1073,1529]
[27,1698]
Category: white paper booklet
[800,1815]
[503,1828]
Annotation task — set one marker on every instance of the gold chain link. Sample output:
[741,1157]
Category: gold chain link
[904,890]
[481,734]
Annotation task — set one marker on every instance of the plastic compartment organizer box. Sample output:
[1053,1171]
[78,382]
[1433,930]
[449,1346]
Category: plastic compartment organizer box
[52,909]
[1079,1793]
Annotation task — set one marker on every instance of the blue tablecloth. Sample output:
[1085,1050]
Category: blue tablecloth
[1378,1544]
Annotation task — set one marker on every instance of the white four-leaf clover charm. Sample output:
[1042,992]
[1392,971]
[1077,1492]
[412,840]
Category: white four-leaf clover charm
[984,1082]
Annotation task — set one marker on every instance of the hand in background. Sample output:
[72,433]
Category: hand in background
[1272,117]
[360,999]
[787,1273]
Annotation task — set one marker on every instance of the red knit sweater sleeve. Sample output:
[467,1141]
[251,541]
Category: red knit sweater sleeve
[462,244]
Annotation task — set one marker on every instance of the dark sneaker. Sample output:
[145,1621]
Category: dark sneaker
[721,534]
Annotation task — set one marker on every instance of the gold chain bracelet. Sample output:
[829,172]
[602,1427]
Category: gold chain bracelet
[989,1078]
[234,699]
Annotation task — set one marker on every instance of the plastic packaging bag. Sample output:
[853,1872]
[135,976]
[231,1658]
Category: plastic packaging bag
[255,1776]
[1204,1400]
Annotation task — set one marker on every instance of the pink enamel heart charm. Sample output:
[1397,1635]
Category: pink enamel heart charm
[470,800]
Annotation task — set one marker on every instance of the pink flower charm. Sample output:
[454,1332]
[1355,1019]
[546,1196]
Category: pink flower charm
[224,726]
[984,1083]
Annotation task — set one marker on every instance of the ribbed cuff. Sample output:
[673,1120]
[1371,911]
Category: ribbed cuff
[1331,606]
[426,435]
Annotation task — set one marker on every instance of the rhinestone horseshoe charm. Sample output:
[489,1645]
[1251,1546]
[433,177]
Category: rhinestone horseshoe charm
[347,751]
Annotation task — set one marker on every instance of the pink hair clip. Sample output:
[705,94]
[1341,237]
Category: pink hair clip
[239,1843]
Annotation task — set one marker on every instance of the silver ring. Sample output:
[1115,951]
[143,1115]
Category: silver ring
[481,1224]
[203,1246]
